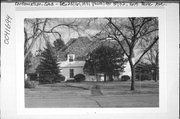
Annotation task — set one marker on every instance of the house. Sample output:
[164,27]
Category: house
[72,57]
[70,67]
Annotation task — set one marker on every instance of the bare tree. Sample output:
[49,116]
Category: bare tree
[40,28]
[152,57]
[130,33]
[33,34]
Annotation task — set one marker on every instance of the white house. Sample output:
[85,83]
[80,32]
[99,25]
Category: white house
[72,58]
[70,67]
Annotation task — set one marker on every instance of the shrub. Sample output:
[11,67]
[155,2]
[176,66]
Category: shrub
[79,77]
[49,79]
[32,76]
[125,78]
[29,84]
[145,77]
[46,79]
[59,78]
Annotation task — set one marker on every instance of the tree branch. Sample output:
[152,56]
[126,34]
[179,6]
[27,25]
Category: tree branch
[34,40]
[32,44]
[116,39]
[147,49]
[142,35]
[125,38]
[143,23]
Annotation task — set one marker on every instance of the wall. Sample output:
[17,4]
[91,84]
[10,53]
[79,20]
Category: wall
[65,71]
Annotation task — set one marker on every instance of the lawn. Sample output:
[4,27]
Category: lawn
[115,94]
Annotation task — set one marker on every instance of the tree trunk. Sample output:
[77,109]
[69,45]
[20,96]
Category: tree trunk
[97,77]
[155,75]
[140,77]
[111,77]
[104,77]
[132,75]
[95,73]
[132,79]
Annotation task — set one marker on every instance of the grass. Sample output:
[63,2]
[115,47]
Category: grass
[115,94]
[143,87]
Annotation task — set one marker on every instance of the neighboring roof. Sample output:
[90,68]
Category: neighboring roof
[66,64]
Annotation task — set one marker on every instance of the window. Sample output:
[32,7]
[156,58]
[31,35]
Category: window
[71,73]
[70,58]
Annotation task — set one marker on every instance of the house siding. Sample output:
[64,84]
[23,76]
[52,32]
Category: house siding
[65,71]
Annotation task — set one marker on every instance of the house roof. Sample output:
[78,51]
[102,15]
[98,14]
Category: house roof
[75,46]
[81,47]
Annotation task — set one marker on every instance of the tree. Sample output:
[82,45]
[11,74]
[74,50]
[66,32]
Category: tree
[105,59]
[152,58]
[36,29]
[129,34]
[48,67]
[143,71]
[28,62]
[58,44]
[33,30]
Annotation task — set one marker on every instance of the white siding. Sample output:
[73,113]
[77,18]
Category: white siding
[90,78]
[66,71]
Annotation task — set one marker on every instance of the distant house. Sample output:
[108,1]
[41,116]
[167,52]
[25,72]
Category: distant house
[72,58]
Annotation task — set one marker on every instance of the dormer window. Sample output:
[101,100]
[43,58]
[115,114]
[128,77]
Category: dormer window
[71,57]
